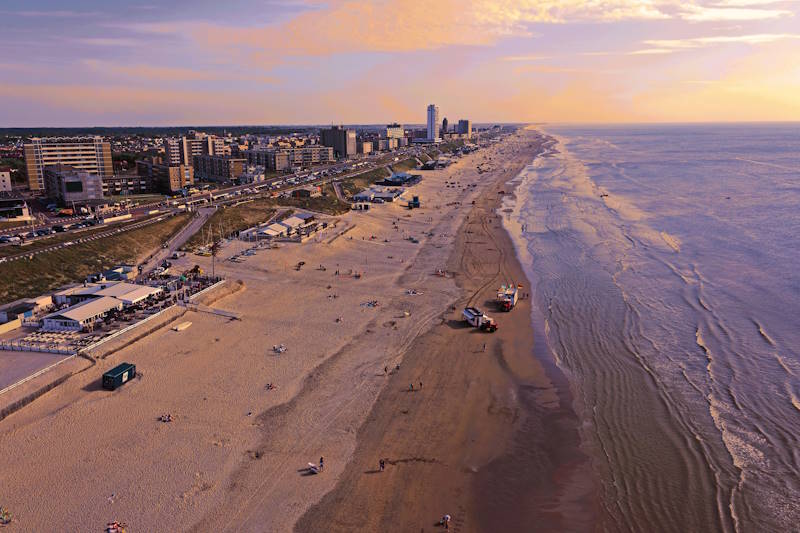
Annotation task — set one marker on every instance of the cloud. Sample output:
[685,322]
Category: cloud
[347,26]
[745,3]
[107,41]
[696,13]
[168,74]
[524,58]
[651,51]
[552,69]
[760,86]
[671,45]
[52,13]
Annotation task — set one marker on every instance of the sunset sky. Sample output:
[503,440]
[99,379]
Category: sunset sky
[91,62]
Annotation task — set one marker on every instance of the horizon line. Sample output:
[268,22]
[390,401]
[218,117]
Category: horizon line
[420,124]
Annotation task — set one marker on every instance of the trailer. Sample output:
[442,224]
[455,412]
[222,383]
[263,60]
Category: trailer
[477,318]
[117,376]
[507,296]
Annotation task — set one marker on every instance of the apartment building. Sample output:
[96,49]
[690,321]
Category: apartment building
[122,184]
[464,128]
[271,159]
[286,158]
[5,180]
[218,168]
[166,178]
[395,131]
[183,150]
[343,141]
[68,185]
[87,154]
[364,147]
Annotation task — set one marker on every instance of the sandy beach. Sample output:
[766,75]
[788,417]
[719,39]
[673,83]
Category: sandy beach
[487,435]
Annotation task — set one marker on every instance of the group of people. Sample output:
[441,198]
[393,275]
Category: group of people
[115,527]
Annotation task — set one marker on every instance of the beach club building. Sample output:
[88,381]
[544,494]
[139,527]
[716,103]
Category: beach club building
[378,193]
[128,293]
[92,302]
[81,316]
[297,224]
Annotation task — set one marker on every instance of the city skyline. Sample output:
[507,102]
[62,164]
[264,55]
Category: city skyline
[368,63]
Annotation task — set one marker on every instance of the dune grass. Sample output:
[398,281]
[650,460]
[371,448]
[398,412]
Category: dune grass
[48,271]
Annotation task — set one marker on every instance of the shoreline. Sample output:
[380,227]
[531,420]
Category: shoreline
[235,455]
[508,453]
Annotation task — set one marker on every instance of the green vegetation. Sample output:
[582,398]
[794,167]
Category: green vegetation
[451,146]
[328,203]
[127,160]
[359,182]
[48,271]
[13,224]
[228,221]
[19,173]
[405,165]
[59,238]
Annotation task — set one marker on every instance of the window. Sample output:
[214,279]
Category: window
[74,186]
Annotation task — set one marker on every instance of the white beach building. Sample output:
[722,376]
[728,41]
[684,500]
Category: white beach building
[81,316]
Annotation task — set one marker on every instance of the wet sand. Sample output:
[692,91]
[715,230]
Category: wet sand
[489,434]
[490,438]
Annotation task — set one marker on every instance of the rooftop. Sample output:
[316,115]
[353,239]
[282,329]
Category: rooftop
[118,289]
[89,309]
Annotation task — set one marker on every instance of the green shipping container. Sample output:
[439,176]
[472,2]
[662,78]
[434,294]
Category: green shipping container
[118,375]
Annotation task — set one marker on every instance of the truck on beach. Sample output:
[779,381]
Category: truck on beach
[119,375]
[507,297]
[477,318]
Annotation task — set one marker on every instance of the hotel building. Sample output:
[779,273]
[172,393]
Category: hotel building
[433,123]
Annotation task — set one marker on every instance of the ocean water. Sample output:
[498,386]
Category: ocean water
[666,265]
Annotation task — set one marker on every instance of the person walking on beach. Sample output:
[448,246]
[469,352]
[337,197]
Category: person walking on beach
[420,385]
[484,346]
[381,465]
[411,387]
[321,463]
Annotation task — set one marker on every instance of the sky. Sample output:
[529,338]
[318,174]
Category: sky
[183,62]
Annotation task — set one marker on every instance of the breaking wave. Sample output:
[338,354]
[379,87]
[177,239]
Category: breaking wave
[648,299]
